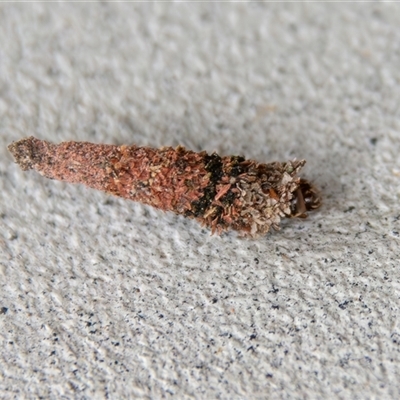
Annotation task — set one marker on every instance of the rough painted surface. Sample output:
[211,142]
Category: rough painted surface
[102,297]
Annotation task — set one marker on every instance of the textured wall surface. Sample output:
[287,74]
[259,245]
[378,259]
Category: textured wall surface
[105,298]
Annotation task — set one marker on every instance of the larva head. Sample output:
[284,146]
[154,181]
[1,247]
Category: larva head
[306,198]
